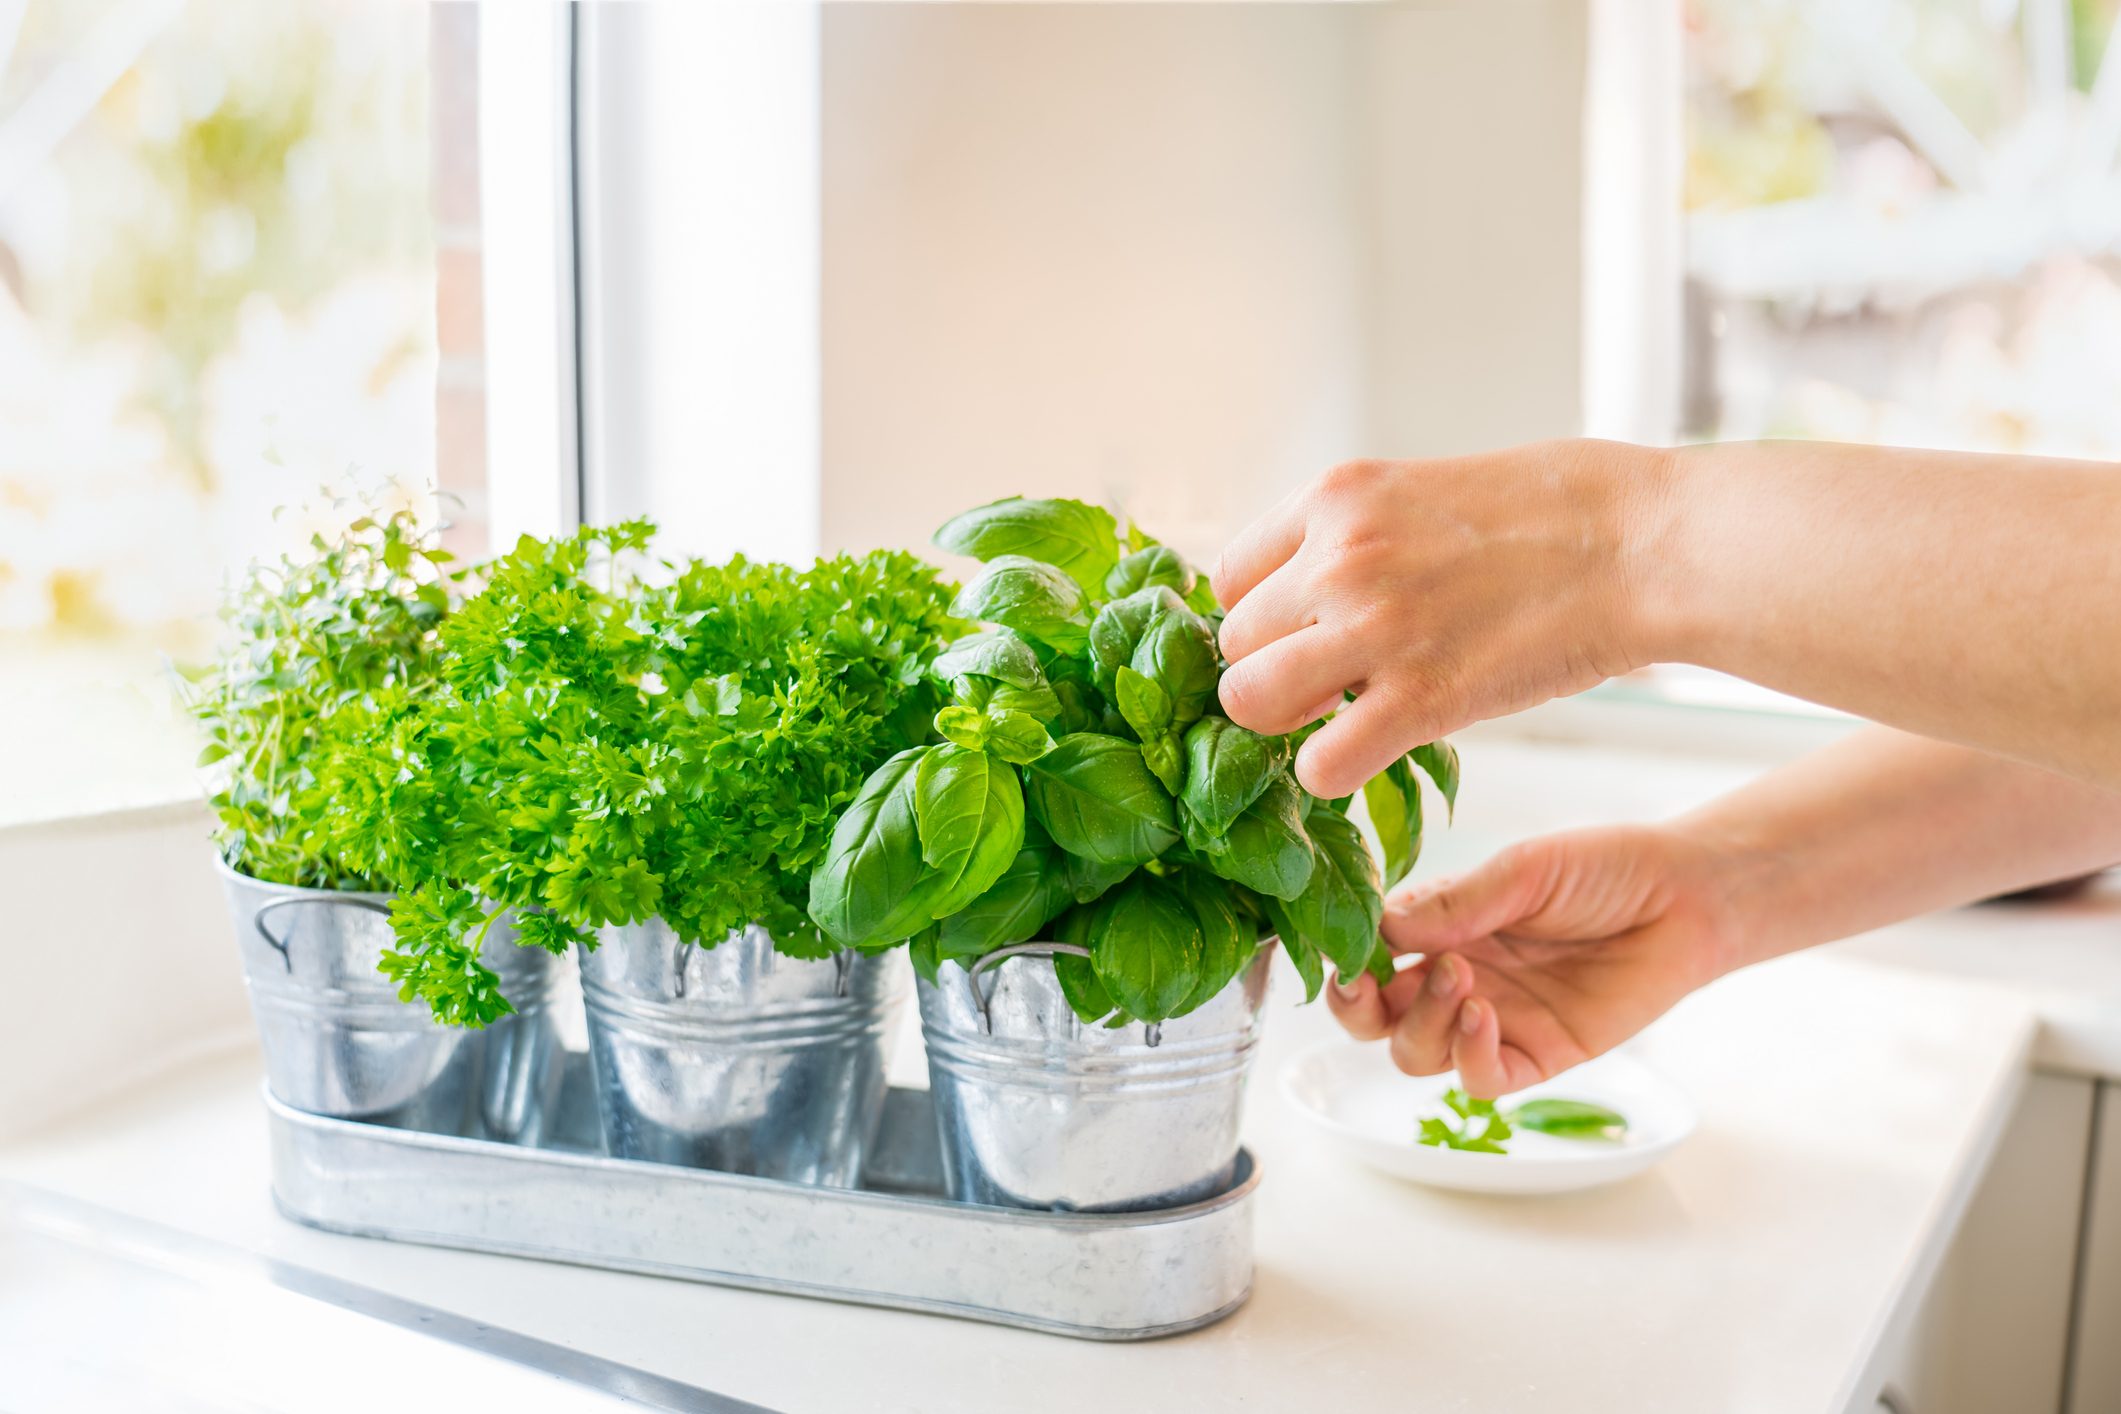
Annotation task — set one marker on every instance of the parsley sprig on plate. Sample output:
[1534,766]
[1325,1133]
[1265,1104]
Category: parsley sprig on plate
[1480,1127]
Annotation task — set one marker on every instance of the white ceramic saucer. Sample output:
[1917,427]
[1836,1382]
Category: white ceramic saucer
[1352,1092]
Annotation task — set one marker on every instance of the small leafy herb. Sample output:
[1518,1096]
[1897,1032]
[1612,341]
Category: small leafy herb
[617,739]
[1079,785]
[1570,1119]
[322,654]
[1481,1128]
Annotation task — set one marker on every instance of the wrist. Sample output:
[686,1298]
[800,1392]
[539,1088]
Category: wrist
[1660,498]
[1754,879]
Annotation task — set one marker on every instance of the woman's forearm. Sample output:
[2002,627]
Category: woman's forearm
[1884,826]
[1972,598]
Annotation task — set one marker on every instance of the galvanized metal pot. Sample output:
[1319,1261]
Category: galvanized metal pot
[1038,1110]
[735,1057]
[338,1042]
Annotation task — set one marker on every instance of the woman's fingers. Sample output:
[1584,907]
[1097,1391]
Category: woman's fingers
[1359,1007]
[1290,682]
[1453,912]
[1421,1037]
[1487,1065]
[1259,550]
[1277,607]
[1382,724]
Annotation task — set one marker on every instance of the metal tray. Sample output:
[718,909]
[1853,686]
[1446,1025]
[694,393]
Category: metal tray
[895,1241]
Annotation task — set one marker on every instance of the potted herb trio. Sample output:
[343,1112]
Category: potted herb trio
[1089,866]
[644,761]
[327,658]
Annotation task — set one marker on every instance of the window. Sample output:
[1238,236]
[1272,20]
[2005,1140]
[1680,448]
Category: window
[1887,221]
[240,280]
[1903,223]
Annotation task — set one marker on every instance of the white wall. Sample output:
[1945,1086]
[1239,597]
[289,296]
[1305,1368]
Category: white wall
[1180,257]
[1474,115]
[120,958]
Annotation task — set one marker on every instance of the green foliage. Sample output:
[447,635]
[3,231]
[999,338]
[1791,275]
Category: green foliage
[603,749]
[1081,541]
[323,659]
[1480,1127]
[1150,830]
[1570,1119]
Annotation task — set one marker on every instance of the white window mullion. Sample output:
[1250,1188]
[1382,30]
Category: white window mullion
[699,286]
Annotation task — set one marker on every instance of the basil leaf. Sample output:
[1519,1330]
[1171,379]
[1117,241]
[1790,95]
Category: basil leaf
[1226,944]
[1087,996]
[1201,600]
[1118,628]
[873,885]
[1440,760]
[969,812]
[1303,954]
[1145,706]
[1030,892]
[1394,803]
[1075,713]
[1177,651]
[923,949]
[1268,848]
[1227,768]
[1166,759]
[964,726]
[1081,540]
[1158,564]
[1017,737]
[1040,702]
[1097,797]
[1569,1119]
[1146,946]
[996,653]
[1341,907]
[1034,598]
[1088,879]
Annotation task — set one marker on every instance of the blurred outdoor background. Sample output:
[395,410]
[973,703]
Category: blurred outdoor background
[218,253]
[1127,252]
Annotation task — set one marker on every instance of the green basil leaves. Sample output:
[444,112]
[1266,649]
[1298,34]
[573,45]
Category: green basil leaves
[1081,787]
[1097,798]
[1081,541]
[1035,599]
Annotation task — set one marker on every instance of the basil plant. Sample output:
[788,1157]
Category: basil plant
[1080,786]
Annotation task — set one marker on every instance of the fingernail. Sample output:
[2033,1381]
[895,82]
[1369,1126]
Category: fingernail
[1469,1018]
[1443,977]
[1348,991]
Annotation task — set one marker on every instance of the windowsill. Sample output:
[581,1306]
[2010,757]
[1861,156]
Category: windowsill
[1648,718]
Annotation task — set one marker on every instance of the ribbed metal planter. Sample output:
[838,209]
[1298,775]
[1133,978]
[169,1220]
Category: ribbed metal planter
[337,1040]
[735,1057]
[1038,1110]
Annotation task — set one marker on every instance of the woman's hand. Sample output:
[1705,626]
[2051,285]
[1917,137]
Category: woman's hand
[1554,951]
[1441,592]
[1901,586]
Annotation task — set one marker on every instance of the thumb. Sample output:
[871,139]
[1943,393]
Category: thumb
[1449,913]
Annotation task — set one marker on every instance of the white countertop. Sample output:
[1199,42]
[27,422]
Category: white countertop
[1847,1110]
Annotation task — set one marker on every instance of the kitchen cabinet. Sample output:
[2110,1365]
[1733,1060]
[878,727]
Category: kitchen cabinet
[2095,1367]
[1992,1331]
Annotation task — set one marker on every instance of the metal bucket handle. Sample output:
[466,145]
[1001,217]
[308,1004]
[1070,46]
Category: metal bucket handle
[279,945]
[1152,1033]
